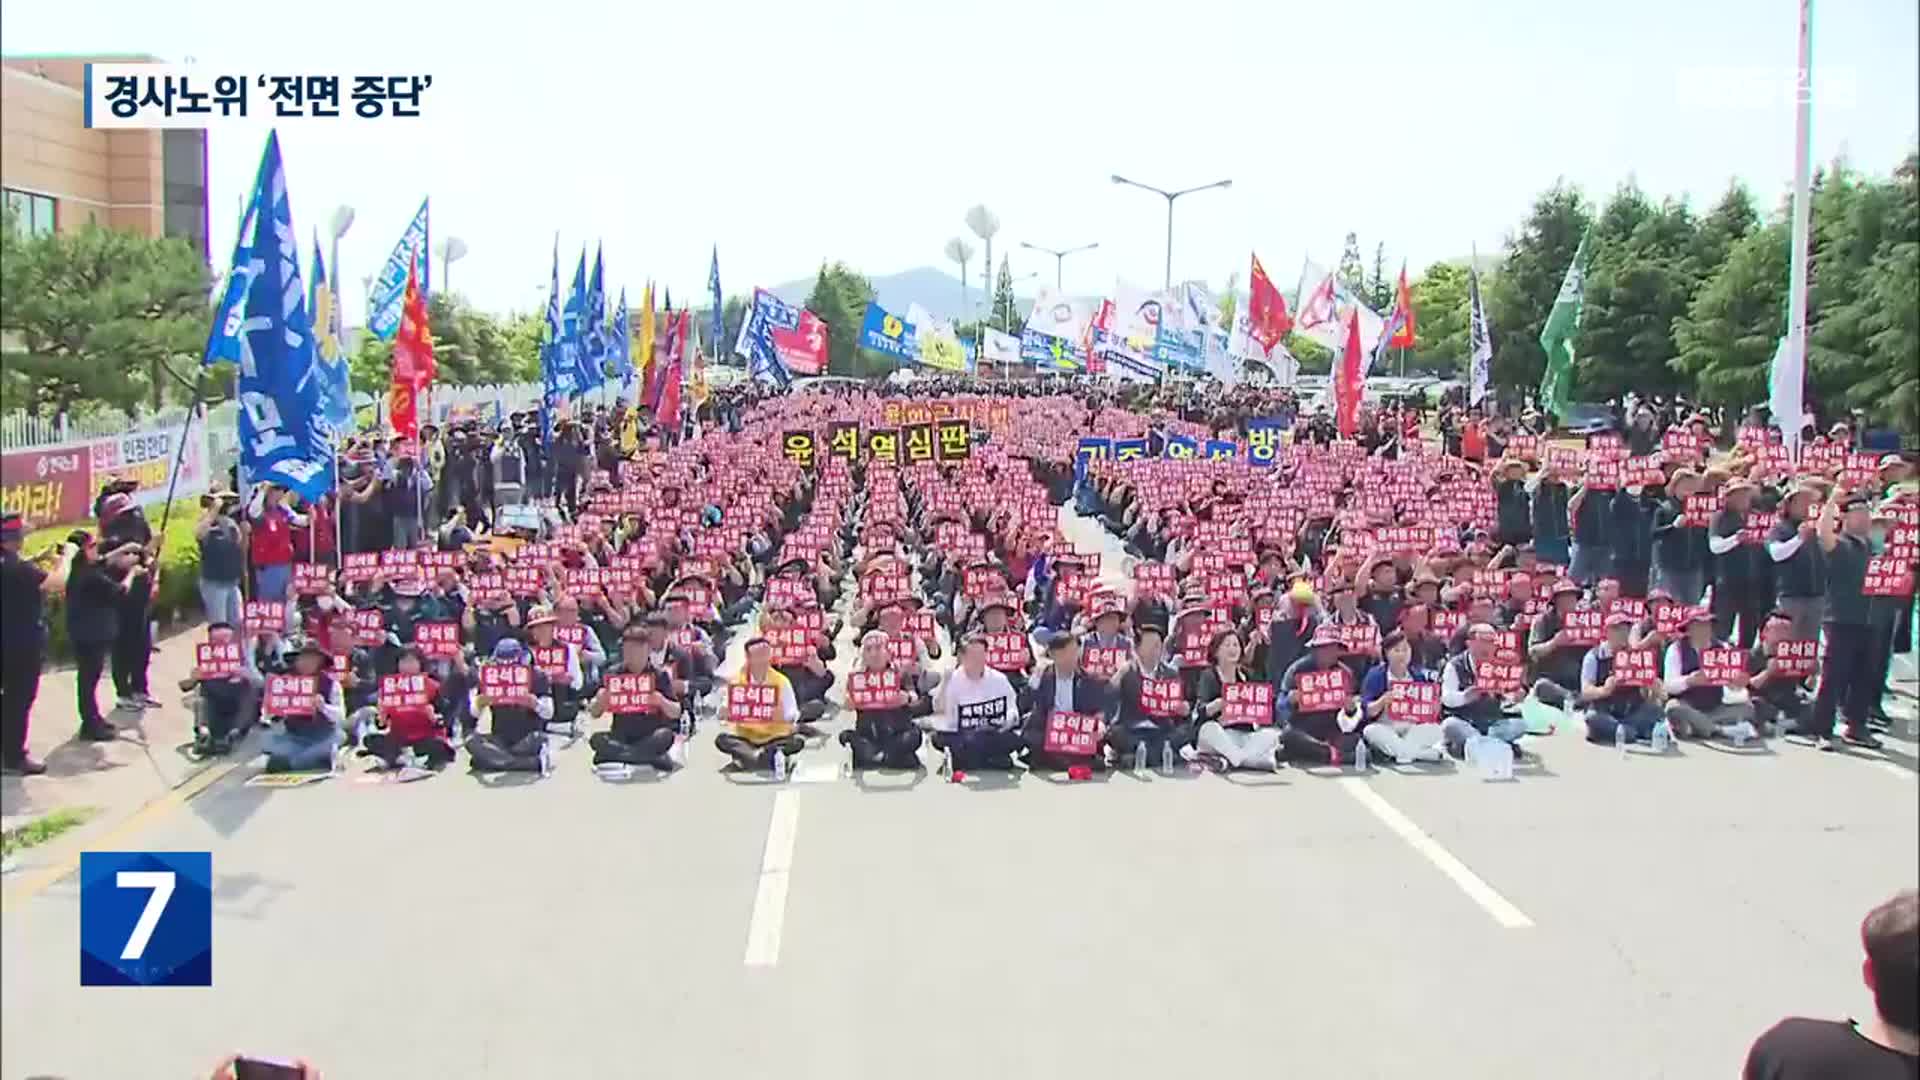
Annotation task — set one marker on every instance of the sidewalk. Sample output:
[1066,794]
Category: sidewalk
[110,779]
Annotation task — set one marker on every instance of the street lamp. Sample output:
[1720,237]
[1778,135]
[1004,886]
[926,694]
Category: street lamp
[1059,256]
[1170,196]
[452,250]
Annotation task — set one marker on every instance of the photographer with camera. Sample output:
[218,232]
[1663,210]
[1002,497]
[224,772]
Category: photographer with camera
[124,528]
[23,640]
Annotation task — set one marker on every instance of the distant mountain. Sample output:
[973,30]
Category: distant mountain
[936,290]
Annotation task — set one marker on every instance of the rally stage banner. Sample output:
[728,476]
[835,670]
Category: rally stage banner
[55,485]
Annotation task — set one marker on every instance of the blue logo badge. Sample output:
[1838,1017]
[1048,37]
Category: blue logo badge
[146,918]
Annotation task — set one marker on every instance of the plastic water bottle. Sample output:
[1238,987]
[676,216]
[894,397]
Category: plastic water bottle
[1741,732]
[779,764]
[1620,737]
[1662,738]
[1140,758]
[1166,756]
[1361,757]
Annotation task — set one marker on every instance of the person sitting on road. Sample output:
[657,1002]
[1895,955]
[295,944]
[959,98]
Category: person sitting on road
[1132,729]
[1226,743]
[644,736]
[1318,736]
[887,737]
[353,666]
[1467,708]
[1780,701]
[1064,688]
[1609,704]
[810,678]
[976,720]
[1696,709]
[754,745]
[1556,661]
[413,733]
[304,742]
[1403,740]
[567,678]
[226,704]
[516,736]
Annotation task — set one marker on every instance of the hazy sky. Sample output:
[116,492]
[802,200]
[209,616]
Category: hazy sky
[787,132]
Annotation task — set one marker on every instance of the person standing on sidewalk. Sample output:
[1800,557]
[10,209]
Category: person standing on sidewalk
[1847,666]
[1799,563]
[223,558]
[129,540]
[96,600]
[23,640]
[271,542]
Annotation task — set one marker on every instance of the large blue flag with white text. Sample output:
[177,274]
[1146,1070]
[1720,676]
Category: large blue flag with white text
[556,369]
[593,328]
[264,325]
[390,286]
[719,306]
[323,303]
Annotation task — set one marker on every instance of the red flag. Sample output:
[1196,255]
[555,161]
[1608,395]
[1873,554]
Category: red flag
[413,363]
[1403,300]
[668,412]
[1347,384]
[1267,318]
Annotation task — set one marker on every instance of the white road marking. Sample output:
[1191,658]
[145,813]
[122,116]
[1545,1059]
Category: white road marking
[1503,912]
[770,902]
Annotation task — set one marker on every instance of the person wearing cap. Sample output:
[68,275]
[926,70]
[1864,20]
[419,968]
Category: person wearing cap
[1381,599]
[1467,708]
[888,737]
[753,745]
[1590,551]
[1695,708]
[489,619]
[1323,736]
[1608,704]
[96,585]
[569,684]
[1064,688]
[1781,700]
[223,704]
[1799,561]
[1887,616]
[1513,508]
[1847,664]
[1679,548]
[1552,536]
[24,588]
[893,621]
[1629,530]
[644,736]
[303,742]
[1107,631]
[270,544]
[689,679]
[516,735]
[1404,741]
[1740,596]
[223,557]
[1556,660]
[976,717]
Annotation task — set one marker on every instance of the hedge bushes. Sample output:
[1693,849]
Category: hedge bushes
[179,594]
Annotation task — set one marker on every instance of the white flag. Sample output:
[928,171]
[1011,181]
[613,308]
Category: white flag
[1000,350]
[1786,382]
[1060,316]
[1480,342]
[1322,309]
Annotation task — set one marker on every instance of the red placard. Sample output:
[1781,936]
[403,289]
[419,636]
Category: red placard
[1584,626]
[983,581]
[1888,575]
[1418,703]
[1635,667]
[311,579]
[574,634]
[1502,676]
[879,588]
[1606,446]
[524,580]
[920,624]
[1795,659]
[1509,646]
[1152,579]
[1072,734]
[792,592]
[1758,526]
[437,638]
[507,684]
[585,579]
[1164,698]
[630,693]
[812,620]
[1724,667]
[751,704]
[1682,444]
[1669,616]
[904,649]
[1103,661]
[1643,472]
[1008,651]
[1444,621]
[369,626]
[551,659]
[400,562]
[484,589]
[264,615]
[1602,475]
[1525,447]
[791,645]
[1359,637]
[1699,510]
[216,658]
[1633,608]
[1248,703]
[435,560]
[403,692]
[292,695]
[360,565]
[1328,690]
[875,690]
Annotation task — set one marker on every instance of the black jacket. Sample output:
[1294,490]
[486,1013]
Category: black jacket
[1090,695]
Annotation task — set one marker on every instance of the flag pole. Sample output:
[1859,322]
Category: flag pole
[180,454]
[1802,212]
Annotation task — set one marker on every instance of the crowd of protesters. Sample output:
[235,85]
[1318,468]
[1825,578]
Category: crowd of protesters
[1422,588]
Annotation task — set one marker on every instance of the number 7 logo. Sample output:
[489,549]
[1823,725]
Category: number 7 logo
[161,882]
[146,918]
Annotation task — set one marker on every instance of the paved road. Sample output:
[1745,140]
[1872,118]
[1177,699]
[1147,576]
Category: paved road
[1598,917]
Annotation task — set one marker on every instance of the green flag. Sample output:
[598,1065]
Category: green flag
[1556,337]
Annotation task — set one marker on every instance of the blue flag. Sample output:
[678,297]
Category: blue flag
[593,327]
[264,324]
[619,336]
[323,302]
[719,306]
[556,376]
[763,362]
[390,287]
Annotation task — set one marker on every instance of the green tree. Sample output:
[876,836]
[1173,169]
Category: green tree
[1520,295]
[1732,218]
[1004,315]
[1640,280]
[1440,317]
[101,315]
[1890,386]
[1727,337]
[840,297]
[1379,289]
[1315,358]
[1351,271]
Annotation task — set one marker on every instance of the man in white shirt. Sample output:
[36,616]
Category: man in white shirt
[977,714]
